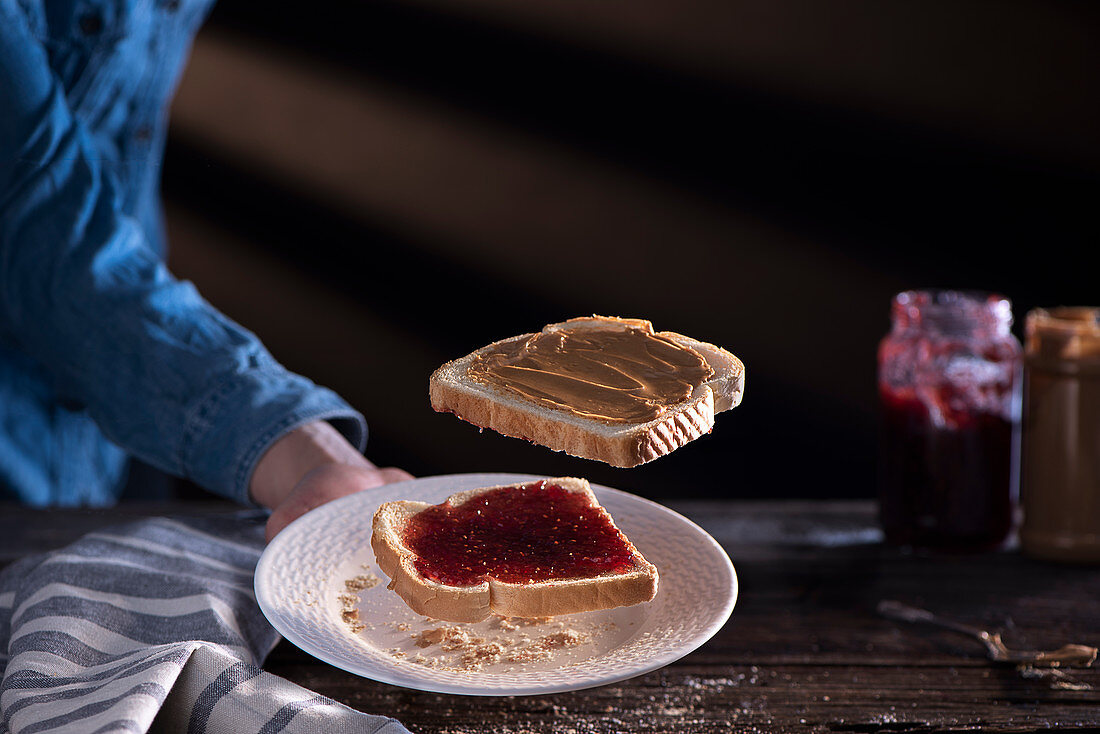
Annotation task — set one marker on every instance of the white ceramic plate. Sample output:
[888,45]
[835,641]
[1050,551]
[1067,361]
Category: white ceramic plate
[300,586]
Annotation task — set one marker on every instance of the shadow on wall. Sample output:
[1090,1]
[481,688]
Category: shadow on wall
[376,198]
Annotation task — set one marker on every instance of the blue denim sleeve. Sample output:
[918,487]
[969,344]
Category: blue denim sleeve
[164,374]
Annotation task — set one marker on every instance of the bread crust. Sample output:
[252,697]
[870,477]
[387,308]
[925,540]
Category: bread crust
[475,603]
[621,445]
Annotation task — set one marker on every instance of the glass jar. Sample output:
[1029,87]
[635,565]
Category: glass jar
[1061,459]
[949,389]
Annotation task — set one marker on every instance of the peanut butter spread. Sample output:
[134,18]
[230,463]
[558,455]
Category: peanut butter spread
[615,374]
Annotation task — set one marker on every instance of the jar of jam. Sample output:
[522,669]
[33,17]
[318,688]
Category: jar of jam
[1061,459]
[950,391]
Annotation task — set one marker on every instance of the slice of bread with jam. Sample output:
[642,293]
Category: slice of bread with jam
[533,549]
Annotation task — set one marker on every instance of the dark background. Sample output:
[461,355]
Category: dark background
[378,187]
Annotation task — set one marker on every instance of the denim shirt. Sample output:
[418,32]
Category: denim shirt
[103,353]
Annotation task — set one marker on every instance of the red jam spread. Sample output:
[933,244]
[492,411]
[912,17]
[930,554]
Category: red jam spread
[533,532]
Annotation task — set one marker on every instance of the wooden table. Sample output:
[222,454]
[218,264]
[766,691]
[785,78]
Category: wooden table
[803,651]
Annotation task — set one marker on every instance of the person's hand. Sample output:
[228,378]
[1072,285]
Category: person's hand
[308,467]
[326,483]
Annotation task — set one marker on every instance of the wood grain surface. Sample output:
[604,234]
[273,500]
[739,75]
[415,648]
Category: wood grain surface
[803,651]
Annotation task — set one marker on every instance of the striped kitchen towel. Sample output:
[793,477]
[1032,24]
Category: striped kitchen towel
[153,620]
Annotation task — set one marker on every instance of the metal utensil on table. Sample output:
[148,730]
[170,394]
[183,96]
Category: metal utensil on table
[1078,656]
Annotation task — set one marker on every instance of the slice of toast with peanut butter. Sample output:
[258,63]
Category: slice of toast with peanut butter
[602,388]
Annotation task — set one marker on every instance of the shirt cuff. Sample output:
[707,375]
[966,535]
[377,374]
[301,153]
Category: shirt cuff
[238,421]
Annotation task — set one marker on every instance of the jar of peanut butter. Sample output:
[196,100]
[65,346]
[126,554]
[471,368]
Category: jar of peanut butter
[1060,489]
